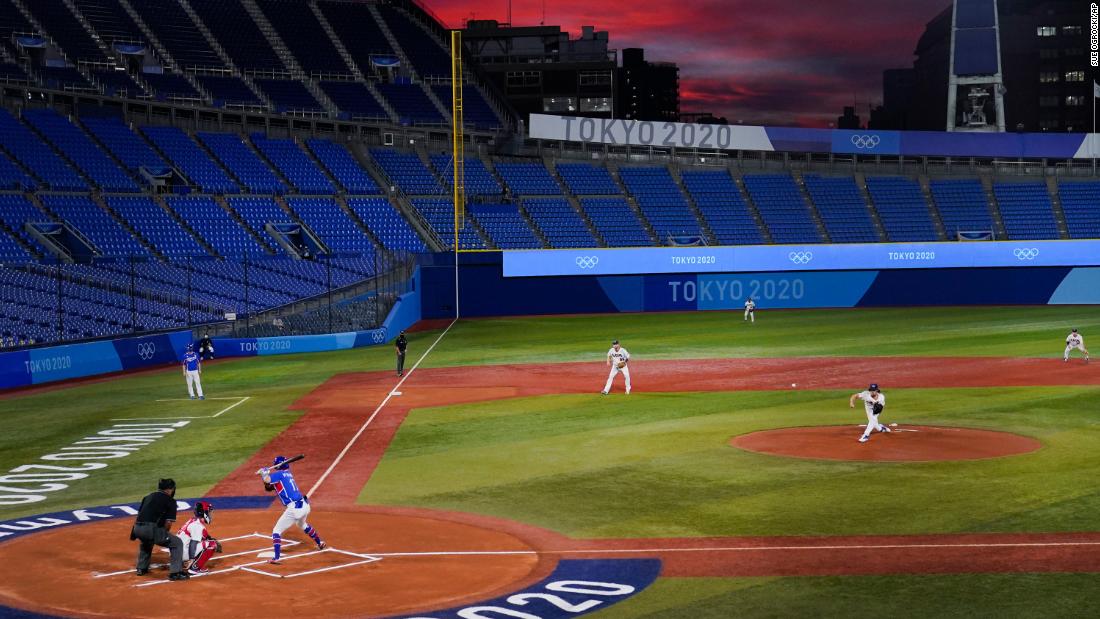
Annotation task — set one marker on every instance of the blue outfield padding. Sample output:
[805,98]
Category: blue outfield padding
[44,365]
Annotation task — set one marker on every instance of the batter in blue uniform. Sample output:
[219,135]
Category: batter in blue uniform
[280,480]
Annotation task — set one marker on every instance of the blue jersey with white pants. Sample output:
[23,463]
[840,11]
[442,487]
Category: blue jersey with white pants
[296,512]
[191,374]
[286,488]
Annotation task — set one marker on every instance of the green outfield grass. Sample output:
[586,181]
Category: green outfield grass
[660,464]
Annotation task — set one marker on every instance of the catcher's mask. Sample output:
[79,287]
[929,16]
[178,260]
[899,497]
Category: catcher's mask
[204,511]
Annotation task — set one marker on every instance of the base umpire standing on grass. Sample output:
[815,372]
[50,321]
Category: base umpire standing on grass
[155,516]
[399,345]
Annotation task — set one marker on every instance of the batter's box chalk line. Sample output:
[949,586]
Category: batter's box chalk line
[361,559]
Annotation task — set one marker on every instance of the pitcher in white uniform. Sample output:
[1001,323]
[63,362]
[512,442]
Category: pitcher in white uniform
[1075,340]
[870,398]
[617,358]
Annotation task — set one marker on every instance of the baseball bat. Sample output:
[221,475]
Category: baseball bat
[282,465]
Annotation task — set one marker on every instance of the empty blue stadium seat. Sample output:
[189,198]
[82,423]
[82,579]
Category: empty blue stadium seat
[175,30]
[476,111]
[355,100]
[80,149]
[294,164]
[110,21]
[289,96]
[11,177]
[65,30]
[425,53]
[661,201]
[616,222]
[1081,206]
[587,179]
[215,226]
[86,216]
[239,158]
[124,144]
[479,180]
[407,172]
[338,231]
[257,212]
[153,223]
[559,223]
[170,87]
[238,34]
[303,35]
[901,208]
[1026,210]
[391,229]
[962,205]
[65,78]
[15,211]
[505,226]
[117,83]
[357,29]
[782,207]
[842,209]
[190,159]
[413,107]
[228,91]
[36,156]
[439,213]
[719,200]
[528,179]
[343,167]
[11,251]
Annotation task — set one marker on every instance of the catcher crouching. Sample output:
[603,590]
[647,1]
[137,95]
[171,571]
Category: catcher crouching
[618,358]
[198,545]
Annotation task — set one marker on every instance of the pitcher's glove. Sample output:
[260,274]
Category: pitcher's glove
[621,364]
[877,408]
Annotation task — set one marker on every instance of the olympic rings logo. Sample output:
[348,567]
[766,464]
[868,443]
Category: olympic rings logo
[587,262]
[146,350]
[800,257]
[1026,253]
[379,336]
[865,141]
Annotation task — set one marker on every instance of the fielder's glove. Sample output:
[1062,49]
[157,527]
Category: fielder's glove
[621,364]
[877,408]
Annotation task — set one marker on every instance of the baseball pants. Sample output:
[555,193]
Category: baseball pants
[149,534]
[610,377]
[198,550]
[194,383]
[873,424]
[292,516]
[400,363]
[750,314]
[1080,347]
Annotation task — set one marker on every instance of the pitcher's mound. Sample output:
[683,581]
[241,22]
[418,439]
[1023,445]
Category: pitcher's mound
[904,444]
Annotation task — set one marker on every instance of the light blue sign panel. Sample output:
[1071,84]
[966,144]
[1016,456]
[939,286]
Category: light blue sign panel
[1080,287]
[774,290]
[794,258]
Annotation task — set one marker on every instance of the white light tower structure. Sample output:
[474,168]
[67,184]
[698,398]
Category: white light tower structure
[975,68]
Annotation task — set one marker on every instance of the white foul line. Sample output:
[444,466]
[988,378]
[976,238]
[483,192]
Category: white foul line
[370,419]
[240,400]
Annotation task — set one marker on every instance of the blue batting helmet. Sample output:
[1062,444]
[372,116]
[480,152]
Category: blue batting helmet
[873,387]
[279,460]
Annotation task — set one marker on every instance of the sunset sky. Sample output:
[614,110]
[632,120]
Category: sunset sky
[778,62]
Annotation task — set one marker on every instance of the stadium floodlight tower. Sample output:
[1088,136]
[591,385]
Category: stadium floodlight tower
[975,93]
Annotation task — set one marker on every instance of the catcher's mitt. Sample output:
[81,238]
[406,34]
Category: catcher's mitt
[621,364]
[217,545]
[877,408]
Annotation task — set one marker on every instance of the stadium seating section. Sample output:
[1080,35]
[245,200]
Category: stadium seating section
[719,200]
[962,205]
[1081,205]
[842,209]
[901,208]
[1026,210]
[782,208]
[661,201]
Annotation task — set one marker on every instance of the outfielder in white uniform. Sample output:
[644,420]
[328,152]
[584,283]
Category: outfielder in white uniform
[617,358]
[1075,340]
[750,310]
[870,398]
[192,369]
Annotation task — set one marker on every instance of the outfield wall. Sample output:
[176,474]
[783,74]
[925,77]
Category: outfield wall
[485,291]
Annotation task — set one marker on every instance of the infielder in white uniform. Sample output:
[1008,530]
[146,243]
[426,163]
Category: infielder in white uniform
[617,358]
[750,310]
[1075,340]
[873,401]
[192,369]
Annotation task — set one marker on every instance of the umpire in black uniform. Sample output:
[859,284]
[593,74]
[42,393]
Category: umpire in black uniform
[206,347]
[400,344]
[155,516]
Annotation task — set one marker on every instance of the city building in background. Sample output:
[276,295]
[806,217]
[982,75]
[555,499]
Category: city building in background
[541,70]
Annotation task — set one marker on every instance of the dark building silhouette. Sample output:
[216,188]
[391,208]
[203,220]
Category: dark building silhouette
[850,120]
[648,90]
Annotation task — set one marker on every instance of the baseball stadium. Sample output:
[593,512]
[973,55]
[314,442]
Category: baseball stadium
[373,308]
